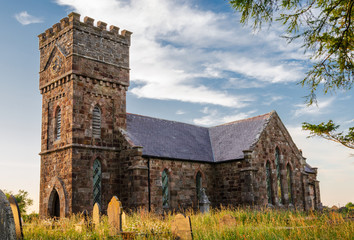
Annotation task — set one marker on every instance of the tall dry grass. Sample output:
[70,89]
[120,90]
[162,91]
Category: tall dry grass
[250,224]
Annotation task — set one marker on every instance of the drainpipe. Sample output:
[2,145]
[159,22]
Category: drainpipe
[149,190]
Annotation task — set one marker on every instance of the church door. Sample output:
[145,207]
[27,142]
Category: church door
[55,205]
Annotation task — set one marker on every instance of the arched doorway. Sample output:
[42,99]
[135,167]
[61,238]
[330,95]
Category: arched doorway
[54,205]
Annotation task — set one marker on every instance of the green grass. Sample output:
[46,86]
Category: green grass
[250,224]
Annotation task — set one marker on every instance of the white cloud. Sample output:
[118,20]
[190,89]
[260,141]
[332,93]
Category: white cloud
[24,18]
[213,117]
[175,45]
[180,112]
[314,109]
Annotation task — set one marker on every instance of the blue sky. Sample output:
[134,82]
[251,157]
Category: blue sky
[191,61]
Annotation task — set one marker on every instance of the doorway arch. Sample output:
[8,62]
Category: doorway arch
[54,204]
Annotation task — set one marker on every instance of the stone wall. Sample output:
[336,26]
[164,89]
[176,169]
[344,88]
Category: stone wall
[276,136]
[82,66]
[182,182]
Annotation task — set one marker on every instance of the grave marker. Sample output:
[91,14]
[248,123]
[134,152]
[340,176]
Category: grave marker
[181,227]
[7,223]
[17,216]
[114,213]
[96,215]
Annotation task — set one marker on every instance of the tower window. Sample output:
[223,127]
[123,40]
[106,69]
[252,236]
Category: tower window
[97,172]
[165,190]
[58,124]
[96,122]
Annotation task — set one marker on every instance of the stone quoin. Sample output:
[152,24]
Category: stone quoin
[92,149]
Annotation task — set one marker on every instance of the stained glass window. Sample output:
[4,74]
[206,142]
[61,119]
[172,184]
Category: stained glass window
[279,186]
[58,124]
[269,183]
[289,180]
[97,172]
[198,184]
[165,190]
[96,122]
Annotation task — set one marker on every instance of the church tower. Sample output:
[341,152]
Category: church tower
[84,76]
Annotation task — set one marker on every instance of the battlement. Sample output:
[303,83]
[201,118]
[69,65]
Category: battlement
[73,21]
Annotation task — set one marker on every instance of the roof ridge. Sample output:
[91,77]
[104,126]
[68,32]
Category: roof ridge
[167,120]
[246,119]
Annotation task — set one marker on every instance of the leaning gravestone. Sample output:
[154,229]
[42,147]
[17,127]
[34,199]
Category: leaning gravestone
[114,212]
[7,223]
[17,216]
[181,227]
[96,215]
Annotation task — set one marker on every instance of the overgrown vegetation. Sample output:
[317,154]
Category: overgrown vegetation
[250,224]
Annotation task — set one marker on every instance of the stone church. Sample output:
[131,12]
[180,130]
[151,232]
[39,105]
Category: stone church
[92,149]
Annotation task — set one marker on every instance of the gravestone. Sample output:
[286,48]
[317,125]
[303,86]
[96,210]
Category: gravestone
[96,215]
[114,212]
[7,223]
[227,221]
[123,220]
[181,227]
[204,203]
[17,216]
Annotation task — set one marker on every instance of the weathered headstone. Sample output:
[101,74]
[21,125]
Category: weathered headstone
[204,203]
[114,212]
[181,227]
[123,220]
[96,215]
[17,216]
[7,223]
[227,221]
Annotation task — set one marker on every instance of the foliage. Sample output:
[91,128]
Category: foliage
[327,32]
[327,131]
[326,29]
[22,199]
[350,205]
[250,224]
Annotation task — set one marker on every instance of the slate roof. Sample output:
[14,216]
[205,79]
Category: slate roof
[309,169]
[170,139]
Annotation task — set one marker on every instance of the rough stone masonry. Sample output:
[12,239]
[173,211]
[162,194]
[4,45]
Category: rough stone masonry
[92,149]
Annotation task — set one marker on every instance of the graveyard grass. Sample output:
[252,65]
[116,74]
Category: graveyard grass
[250,224]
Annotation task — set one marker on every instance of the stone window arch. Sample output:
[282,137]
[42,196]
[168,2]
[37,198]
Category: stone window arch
[165,189]
[58,123]
[96,122]
[269,183]
[279,177]
[97,179]
[289,179]
[199,184]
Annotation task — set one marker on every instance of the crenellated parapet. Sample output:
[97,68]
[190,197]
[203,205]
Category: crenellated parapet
[73,21]
[84,49]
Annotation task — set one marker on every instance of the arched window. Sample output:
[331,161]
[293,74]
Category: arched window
[97,173]
[165,190]
[96,122]
[289,179]
[279,186]
[269,183]
[198,185]
[58,124]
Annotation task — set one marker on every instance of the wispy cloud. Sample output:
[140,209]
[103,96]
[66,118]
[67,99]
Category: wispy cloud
[176,44]
[303,109]
[180,112]
[214,117]
[24,18]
